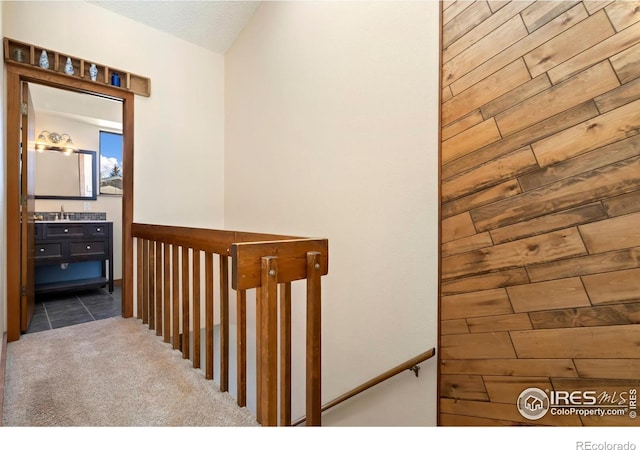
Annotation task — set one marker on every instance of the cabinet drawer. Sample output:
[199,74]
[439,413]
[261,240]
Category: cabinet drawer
[88,248]
[62,230]
[95,229]
[48,251]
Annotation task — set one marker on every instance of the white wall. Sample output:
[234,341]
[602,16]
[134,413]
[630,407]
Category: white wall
[179,130]
[331,131]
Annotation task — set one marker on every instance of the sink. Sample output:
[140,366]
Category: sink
[70,221]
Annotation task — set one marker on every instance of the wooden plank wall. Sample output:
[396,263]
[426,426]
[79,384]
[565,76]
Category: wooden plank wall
[540,201]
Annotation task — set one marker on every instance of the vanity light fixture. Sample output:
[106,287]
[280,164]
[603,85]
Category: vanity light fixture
[55,141]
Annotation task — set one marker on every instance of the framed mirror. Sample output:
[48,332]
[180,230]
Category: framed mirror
[73,176]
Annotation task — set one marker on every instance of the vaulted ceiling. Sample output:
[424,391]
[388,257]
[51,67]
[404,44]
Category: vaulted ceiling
[212,24]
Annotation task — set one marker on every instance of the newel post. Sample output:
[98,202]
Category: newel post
[268,350]
[314,338]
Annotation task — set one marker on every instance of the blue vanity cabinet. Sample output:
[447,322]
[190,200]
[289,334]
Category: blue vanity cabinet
[73,255]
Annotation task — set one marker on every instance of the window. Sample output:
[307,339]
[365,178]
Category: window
[110,163]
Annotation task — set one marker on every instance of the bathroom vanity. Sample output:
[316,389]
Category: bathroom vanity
[64,243]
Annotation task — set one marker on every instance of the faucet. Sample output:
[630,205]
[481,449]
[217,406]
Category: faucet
[62,212]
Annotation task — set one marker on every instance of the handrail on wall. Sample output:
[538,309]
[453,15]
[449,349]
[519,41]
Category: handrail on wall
[168,258]
[411,364]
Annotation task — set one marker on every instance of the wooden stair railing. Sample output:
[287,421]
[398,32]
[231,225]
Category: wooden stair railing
[169,273]
[411,364]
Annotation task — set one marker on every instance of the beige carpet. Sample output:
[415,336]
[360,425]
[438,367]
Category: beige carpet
[112,372]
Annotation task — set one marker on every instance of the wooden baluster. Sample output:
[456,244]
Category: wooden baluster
[285,354]
[140,284]
[167,293]
[176,297]
[314,347]
[258,355]
[196,308]
[241,346]
[268,349]
[224,323]
[152,285]
[186,329]
[145,281]
[208,274]
[158,288]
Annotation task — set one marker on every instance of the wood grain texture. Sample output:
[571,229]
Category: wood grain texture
[540,130]
[476,346]
[504,168]
[483,29]
[610,181]
[501,411]
[550,222]
[609,47]
[601,157]
[620,286]
[622,95]
[474,304]
[623,314]
[538,367]
[472,139]
[538,84]
[457,227]
[555,294]
[486,196]
[541,250]
[612,234]
[586,265]
[576,39]
[482,49]
[453,326]
[507,322]
[547,247]
[483,282]
[467,387]
[623,14]
[609,368]
[486,90]
[583,86]
[623,204]
[585,342]
[519,48]
[626,64]
[610,127]
[466,244]
[455,420]
[503,389]
[540,13]
[462,124]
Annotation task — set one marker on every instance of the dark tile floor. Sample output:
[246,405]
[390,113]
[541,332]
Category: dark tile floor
[61,310]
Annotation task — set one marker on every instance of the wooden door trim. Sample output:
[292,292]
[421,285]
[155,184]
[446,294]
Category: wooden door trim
[15,75]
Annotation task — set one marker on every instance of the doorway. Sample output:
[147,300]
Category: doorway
[17,76]
[75,185]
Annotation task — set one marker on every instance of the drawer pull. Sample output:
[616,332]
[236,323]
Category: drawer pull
[41,249]
[88,247]
[98,230]
[66,230]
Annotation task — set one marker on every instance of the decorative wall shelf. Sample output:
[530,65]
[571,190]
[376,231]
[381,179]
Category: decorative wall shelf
[22,53]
